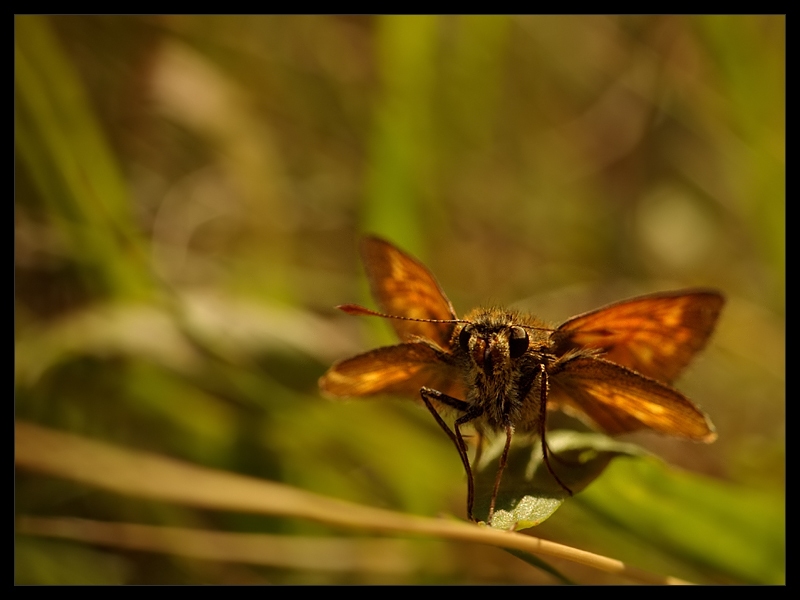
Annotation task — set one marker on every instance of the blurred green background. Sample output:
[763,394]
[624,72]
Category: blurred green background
[189,194]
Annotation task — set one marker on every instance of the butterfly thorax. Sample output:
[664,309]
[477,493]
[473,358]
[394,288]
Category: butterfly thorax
[499,353]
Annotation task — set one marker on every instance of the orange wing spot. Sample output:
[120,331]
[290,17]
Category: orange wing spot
[674,317]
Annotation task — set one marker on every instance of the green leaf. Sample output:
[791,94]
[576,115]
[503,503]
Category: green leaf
[529,494]
[730,529]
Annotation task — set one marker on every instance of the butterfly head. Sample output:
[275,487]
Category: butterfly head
[494,339]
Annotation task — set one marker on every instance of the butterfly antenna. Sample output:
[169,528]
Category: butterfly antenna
[357,310]
[361,311]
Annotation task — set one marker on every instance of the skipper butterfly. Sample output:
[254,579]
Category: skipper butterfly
[502,369]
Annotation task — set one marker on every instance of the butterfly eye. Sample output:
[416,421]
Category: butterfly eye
[517,342]
[464,336]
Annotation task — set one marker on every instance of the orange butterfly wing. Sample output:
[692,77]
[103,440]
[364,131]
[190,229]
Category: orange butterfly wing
[400,370]
[620,400]
[655,335]
[402,286]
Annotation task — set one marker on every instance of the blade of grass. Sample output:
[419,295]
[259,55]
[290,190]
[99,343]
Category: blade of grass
[146,475]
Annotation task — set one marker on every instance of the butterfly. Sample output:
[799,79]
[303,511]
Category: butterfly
[503,369]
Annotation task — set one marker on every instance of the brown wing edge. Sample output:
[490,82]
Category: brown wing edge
[564,336]
[373,240]
[700,291]
[584,405]
[400,370]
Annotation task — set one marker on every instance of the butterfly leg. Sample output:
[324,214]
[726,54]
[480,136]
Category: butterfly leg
[470,413]
[500,468]
[544,384]
[561,460]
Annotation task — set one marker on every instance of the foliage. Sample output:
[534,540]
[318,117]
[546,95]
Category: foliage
[189,191]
